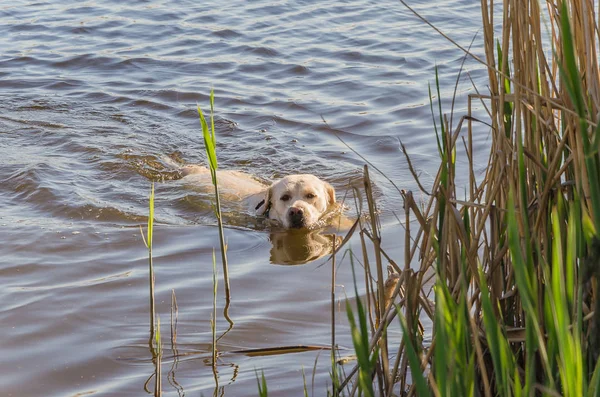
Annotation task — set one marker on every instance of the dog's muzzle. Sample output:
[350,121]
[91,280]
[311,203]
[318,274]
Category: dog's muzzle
[296,217]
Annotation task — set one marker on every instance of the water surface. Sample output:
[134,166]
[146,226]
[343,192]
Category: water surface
[95,95]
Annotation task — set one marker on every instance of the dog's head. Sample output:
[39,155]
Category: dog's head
[297,201]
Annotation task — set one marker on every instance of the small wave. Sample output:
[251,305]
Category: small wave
[226,33]
[86,61]
[107,214]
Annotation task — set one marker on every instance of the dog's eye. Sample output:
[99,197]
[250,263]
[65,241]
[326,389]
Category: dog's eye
[311,196]
[285,197]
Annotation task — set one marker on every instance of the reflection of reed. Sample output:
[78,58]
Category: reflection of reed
[171,374]
[213,326]
[334,374]
[219,390]
[155,346]
[158,353]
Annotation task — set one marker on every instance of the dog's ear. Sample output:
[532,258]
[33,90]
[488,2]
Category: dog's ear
[264,204]
[330,193]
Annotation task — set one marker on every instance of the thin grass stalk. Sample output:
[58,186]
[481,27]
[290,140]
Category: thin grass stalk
[503,359]
[314,373]
[399,355]
[174,318]
[360,339]
[213,320]
[151,278]
[415,363]
[304,383]
[389,317]
[407,252]
[380,274]
[334,373]
[370,291]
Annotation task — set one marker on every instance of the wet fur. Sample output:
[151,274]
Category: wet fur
[295,201]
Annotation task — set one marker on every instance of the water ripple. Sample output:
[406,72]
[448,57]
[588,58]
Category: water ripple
[95,95]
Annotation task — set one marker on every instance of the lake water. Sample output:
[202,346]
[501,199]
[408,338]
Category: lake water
[95,95]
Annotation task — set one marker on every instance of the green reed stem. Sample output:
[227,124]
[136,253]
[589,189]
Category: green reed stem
[213,320]
[210,145]
[148,243]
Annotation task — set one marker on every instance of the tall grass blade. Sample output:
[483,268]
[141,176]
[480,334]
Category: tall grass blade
[262,384]
[502,357]
[210,143]
[360,340]
[304,383]
[415,364]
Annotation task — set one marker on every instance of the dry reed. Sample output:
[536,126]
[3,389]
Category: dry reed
[514,311]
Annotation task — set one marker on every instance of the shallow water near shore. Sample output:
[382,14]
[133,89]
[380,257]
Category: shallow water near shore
[95,96]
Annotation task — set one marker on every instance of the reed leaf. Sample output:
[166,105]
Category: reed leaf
[262,384]
[413,359]
[572,81]
[502,357]
[210,143]
[150,230]
[507,109]
[360,340]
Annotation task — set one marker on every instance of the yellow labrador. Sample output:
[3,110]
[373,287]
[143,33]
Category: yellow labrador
[295,201]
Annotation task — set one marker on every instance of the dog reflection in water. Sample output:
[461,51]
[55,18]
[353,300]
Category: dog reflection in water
[297,247]
[302,204]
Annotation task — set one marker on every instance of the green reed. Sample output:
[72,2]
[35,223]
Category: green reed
[148,243]
[304,383]
[210,146]
[360,339]
[515,312]
[155,341]
[262,384]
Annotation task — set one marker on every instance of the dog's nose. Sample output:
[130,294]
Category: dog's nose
[296,217]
